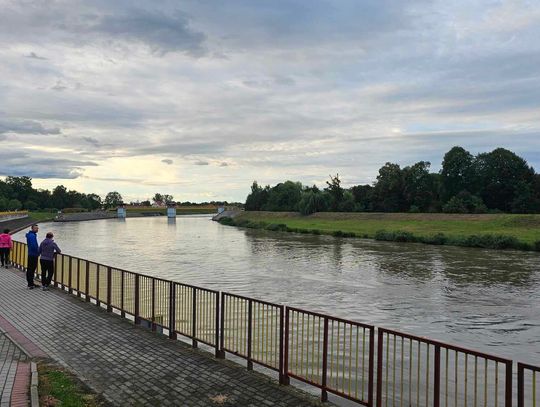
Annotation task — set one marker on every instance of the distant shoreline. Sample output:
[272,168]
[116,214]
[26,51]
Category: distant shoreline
[491,231]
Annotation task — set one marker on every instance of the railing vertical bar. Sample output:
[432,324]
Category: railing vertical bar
[109,290]
[87,288]
[137,300]
[508,385]
[172,310]
[324,393]
[194,317]
[122,293]
[380,340]
[249,335]
[437,377]
[521,385]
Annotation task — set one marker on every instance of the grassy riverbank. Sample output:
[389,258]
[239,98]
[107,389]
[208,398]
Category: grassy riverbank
[498,231]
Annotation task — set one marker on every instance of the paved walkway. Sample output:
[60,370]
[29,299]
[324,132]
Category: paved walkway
[14,374]
[129,365]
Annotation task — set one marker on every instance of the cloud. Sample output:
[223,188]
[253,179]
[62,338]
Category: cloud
[167,161]
[25,127]
[33,55]
[92,140]
[223,164]
[200,162]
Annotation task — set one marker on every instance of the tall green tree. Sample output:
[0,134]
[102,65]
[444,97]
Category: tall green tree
[499,172]
[113,199]
[457,173]
[335,191]
[388,190]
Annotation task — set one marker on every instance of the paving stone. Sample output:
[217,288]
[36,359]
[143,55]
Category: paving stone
[130,365]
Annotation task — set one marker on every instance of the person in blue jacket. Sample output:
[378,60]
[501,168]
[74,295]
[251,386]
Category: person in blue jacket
[33,255]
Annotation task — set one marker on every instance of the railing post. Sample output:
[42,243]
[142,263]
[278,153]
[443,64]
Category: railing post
[55,273]
[324,393]
[172,311]
[285,373]
[122,288]
[153,325]
[282,377]
[78,277]
[137,310]
[97,285]
[249,336]
[194,317]
[508,385]
[380,340]
[370,365]
[218,348]
[62,277]
[70,272]
[437,378]
[521,385]
[87,288]
[222,328]
[109,290]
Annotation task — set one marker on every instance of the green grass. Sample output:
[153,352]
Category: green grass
[59,388]
[457,229]
[41,216]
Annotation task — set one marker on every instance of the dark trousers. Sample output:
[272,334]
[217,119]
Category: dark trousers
[47,271]
[31,270]
[4,256]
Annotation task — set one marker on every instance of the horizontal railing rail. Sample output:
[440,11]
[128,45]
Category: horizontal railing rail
[333,354]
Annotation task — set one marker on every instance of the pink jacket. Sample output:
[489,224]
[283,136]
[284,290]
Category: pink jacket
[5,241]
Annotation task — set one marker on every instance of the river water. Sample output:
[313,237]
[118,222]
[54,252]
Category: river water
[483,299]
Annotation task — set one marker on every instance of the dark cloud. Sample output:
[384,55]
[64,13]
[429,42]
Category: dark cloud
[33,55]
[26,127]
[36,164]
[200,162]
[223,164]
[167,161]
[92,140]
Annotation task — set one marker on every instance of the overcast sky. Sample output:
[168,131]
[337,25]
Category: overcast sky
[199,98]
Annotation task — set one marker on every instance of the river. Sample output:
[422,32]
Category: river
[483,299]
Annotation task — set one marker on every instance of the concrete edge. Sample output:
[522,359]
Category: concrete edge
[34,394]
[16,343]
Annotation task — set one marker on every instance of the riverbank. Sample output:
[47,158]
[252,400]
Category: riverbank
[496,231]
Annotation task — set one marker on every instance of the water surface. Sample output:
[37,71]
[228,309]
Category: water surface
[485,299]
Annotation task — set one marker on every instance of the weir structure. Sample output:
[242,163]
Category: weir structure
[367,365]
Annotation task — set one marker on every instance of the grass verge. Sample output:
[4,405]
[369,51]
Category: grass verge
[57,387]
[493,231]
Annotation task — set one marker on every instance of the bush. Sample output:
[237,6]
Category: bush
[491,242]
[414,209]
[537,245]
[227,221]
[337,233]
[276,227]
[318,232]
[437,239]
[399,236]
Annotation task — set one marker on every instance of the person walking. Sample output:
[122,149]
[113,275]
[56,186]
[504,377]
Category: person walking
[33,255]
[6,244]
[47,250]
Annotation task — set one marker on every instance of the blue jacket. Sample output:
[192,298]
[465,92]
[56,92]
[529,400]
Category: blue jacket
[33,247]
[47,249]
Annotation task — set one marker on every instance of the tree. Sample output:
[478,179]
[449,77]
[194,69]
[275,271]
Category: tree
[257,198]
[113,199]
[457,173]
[499,172]
[312,202]
[21,186]
[418,188]
[388,190]
[158,198]
[14,205]
[335,191]
[363,196]
[284,196]
[59,197]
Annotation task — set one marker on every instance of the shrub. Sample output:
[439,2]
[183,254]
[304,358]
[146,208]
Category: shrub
[414,209]
[337,233]
[399,236]
[318,232]
[537,245]
[437,239]
[227,221]
[276,227]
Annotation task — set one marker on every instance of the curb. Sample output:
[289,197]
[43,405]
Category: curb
[34,395]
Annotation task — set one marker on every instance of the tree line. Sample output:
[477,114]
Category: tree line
[496,181]
[18,193]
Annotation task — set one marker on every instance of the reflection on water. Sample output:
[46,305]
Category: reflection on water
[485,299]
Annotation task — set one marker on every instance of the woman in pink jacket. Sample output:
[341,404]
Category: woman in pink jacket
[6,244]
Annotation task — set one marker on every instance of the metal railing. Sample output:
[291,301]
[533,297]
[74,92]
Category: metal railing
[335,355]
[528,382]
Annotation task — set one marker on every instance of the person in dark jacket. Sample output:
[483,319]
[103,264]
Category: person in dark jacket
[33,255]
[47,250]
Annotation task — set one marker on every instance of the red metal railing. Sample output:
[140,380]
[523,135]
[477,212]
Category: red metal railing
[528,382]
[333,354]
